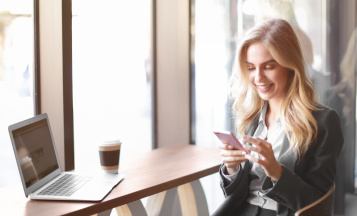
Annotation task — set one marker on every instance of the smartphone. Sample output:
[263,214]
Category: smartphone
[229,138]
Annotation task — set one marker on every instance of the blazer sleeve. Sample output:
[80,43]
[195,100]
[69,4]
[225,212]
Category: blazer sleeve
[318,169]
[229,186]
[236,192]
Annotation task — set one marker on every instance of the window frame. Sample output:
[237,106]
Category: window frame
[68,83]
[168,127]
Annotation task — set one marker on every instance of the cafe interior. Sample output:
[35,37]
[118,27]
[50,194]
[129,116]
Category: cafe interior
[155,74]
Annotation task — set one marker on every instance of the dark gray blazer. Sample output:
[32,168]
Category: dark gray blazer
[302,182]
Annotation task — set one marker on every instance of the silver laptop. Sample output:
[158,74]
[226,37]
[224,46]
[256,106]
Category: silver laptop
[40,170]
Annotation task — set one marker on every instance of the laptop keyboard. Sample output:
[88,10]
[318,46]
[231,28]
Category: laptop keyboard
[66,185]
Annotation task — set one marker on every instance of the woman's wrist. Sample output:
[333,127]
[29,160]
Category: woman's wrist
[232,170]
[278,173]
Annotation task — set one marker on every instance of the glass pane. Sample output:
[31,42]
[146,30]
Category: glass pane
[326,30]
[330,55]
[16,78]
[111,77]
[215,28]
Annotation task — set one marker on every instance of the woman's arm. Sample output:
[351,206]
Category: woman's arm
[236,192]
[314,174]
[229,171]
[231,158]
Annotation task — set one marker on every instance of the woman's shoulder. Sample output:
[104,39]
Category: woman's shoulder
[329,129]
[326,116]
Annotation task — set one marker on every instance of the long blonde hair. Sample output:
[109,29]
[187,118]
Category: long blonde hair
[296,112]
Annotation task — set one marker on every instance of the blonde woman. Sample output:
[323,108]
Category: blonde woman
[294,142]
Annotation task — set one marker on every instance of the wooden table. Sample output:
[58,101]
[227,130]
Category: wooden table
[150,173]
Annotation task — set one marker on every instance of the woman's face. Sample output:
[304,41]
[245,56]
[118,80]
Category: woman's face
[268,76]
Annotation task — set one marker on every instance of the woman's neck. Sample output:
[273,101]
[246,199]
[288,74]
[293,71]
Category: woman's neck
[273,113]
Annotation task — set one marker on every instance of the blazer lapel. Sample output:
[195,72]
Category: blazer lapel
[251,131]
[287,156]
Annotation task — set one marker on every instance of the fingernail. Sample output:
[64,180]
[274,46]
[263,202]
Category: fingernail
[244,137]
[244,153]
[230,147]
[247,156]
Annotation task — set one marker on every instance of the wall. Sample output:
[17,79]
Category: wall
[172,24]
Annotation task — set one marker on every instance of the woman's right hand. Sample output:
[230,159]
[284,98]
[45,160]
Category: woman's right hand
[231,157]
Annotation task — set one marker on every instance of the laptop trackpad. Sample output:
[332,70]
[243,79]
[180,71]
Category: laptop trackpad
[114,178]
[94,190]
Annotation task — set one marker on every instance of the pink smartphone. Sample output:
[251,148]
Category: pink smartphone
[229,138]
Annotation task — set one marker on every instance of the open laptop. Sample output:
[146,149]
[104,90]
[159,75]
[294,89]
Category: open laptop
[40,170]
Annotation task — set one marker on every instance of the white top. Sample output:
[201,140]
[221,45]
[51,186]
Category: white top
[257,172]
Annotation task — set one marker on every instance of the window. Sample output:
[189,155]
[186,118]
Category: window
[213,41]
[111,77]
[16,78]
[327,33]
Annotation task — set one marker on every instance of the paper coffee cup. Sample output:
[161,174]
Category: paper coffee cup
[109,154]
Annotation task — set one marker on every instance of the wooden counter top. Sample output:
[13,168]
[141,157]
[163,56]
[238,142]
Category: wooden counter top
[146,174]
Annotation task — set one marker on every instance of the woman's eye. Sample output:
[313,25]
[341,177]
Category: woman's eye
[269,67]
[250,68]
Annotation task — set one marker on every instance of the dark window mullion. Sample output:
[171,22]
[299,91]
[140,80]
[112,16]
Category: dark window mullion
[67,84]
[37,80]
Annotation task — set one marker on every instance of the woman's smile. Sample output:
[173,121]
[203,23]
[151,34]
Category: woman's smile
[264,88]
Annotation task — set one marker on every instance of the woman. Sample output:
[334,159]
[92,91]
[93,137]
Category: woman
[294,142]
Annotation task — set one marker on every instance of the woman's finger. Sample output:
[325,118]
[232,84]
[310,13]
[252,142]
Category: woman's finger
[267,144]
[257,149]
[260,161]
[258,142]
[249,139]
[236,159]
[228,153]
[264,152]
[233,164]
[223,146]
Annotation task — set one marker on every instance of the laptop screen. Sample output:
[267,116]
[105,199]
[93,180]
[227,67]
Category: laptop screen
[35,151]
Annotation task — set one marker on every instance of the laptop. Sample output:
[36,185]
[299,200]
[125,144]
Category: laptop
[40,170]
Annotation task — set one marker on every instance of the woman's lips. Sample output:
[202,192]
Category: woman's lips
[264,88]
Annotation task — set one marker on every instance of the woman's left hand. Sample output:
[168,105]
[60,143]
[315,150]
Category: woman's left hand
[271,167]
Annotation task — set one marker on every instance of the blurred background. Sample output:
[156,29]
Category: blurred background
[326,30]
[113,75]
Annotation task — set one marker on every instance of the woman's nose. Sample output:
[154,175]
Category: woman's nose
[259,76]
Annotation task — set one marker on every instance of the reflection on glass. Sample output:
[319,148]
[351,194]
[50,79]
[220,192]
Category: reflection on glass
[111,77]
[327,34]
[16,78]
[335,87]
[341,97]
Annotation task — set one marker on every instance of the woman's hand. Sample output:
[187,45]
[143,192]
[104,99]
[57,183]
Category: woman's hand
[271,167]
[231,157]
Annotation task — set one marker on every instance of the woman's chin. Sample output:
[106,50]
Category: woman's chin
[264,97]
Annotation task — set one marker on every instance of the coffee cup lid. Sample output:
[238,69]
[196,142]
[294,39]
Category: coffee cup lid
[111,142]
